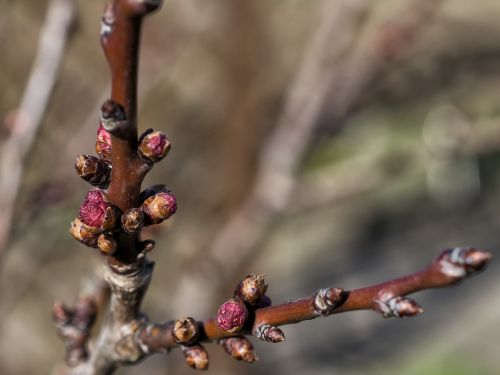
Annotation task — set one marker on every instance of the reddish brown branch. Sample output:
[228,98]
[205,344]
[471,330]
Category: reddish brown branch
[120,38]
[387,298]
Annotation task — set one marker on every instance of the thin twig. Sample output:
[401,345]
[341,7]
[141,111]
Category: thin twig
[51,46]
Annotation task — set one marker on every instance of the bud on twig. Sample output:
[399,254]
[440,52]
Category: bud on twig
[84,233]
[106,244]
[133,220]
[185,331]
[112,115]
[398,307]
[93,170]
[154,145]
[251,289]
[159,207]
[232,315]
[196,357]
[96,212]
[103,145]
[269,333]
[463,261]
[239,348]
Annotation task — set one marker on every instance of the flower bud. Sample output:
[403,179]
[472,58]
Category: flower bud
[93,170]
[103,144]
[185,331]
[239,348]
[106,243]
[84,233]
[196,357]
[154,145]
[232,315]
[251,289]
[159,207]
[133,220]
[96,212]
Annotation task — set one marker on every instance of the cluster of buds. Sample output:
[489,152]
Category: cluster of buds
[249,295]
[96,216]
[186,333]
[96,224]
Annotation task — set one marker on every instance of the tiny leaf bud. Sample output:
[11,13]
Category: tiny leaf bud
[185,331]
[133,220]
[96,212]
[112,115]
[159,207]
[232,315]
[239,348]
[84,233]
[196,357]
[154,145]
[251,289]
[106,243]
[270,333]
[93,170]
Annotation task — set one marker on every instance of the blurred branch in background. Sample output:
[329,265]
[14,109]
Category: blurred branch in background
[29,115]
[338,65]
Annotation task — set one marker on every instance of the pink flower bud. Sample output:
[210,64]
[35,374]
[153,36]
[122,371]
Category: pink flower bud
[159,207]
[103,144]
[232,315]
[96,212]
[154,145]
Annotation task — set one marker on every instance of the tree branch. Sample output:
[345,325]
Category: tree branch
[388,298]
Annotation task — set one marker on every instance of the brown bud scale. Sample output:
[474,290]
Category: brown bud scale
[84,233]
[106,244]
[239,348]
[196,357]
[159,207]
[251,289]
[133,220]
[93,170]
[185,331]
[154,145]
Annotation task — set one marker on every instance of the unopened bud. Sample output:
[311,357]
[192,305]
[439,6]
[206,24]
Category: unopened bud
[106,244]
[84,233]
[93,170]
[85,313]
[239,348]
[463,261]
[232,315]
[96,212]
[196,357]
[185,331]
[103,144]
[159,207]
[270,333]
[154,145]
[133,220]
[398,306]
[112,115]
[251,289]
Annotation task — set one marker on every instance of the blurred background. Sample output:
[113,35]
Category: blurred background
[322,143]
